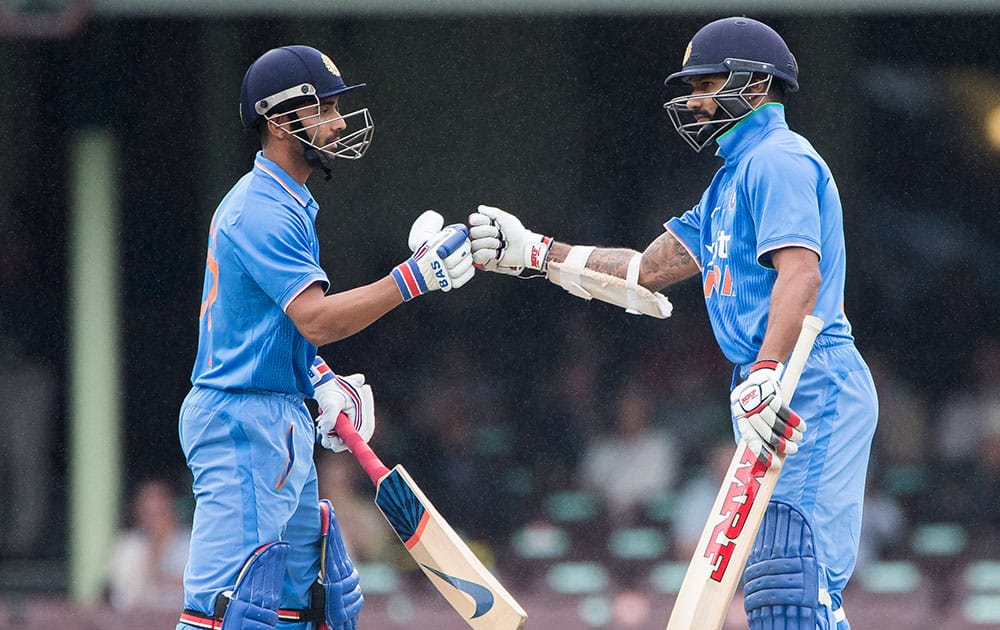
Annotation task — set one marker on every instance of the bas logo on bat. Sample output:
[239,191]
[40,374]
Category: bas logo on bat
[739,499]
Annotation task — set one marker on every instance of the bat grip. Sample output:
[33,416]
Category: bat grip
[361,451]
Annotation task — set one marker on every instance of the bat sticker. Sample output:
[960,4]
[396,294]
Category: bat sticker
[479,593]
[402,508]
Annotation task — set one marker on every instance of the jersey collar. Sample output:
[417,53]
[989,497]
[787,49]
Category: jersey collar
[271,169]
[744,134]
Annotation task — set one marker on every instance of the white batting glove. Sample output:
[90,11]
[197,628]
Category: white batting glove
[335,394]
[502,244]
[765,421]
[441,263]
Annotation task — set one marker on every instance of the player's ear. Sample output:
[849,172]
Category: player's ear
[272,129]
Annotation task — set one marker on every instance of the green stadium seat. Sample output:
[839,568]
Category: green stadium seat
[637,543]
[569,506]
[541,542]
[577,578]
[939,539]
[890,577]
[982,610]
[982,576]
[378,578]
[666,577]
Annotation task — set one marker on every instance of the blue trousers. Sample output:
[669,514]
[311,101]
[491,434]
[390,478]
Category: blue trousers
[825,480]
[251,456]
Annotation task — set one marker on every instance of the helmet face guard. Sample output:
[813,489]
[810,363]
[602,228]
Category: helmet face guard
[734,102]
[305,122]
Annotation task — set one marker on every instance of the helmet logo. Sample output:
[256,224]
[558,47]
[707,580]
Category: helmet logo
[330,65]
[687,54]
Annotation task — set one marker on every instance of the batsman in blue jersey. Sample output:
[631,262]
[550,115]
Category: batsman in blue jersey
[261,535]
[767,240]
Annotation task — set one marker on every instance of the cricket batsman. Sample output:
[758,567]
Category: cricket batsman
[767,241]
[261,536]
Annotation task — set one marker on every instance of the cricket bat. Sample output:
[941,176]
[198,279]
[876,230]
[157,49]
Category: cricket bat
[442,555]
[721,555]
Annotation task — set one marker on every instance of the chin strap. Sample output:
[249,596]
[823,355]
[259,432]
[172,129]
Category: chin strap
[315,158]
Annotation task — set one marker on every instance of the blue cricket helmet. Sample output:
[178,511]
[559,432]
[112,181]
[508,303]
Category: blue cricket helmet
[286,73]
[737,44]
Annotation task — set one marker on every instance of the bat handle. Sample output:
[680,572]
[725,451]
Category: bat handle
[812,326]
[361,451]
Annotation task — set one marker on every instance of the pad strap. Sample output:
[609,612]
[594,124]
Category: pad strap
[287,615]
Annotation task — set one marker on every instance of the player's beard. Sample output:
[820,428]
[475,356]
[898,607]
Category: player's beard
[709,127]
[320,158]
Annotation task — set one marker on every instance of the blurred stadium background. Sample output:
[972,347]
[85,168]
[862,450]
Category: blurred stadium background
[121,133]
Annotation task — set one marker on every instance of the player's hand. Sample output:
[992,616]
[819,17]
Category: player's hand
[764,419]
[442,262]
[501,243]
[336,394]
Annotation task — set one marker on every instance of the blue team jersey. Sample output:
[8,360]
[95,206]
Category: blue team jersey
[263,251]
[773,191]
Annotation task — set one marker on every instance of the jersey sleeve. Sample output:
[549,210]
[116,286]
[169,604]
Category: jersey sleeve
[279,251]
[784,202]
[687,230]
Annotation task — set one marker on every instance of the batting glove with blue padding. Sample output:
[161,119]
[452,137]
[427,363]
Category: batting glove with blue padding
[335,394]
[441,263]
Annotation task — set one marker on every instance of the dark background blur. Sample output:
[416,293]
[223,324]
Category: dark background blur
[492,394]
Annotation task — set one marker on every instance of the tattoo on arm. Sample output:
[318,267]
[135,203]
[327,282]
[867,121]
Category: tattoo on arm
[665,262]
[613,262]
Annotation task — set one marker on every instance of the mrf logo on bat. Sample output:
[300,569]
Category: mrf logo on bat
[739,500]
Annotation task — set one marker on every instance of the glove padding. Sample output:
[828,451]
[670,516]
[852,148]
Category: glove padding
[502,244]
[767,424]
[335,394]
[441,263]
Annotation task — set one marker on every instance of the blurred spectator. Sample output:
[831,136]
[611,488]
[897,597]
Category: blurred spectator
[563,409]
[967,491]
[367,535]
[983,483]
[968,414]
[27,389]
[901,438]
[28,383]
[696,498]
[634,462]
[884,528]
[444,455]
[146,568]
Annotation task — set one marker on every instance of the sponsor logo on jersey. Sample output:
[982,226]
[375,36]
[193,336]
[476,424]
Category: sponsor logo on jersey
[718,278]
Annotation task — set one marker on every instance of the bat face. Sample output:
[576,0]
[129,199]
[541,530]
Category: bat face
[732,516]
[444,557]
